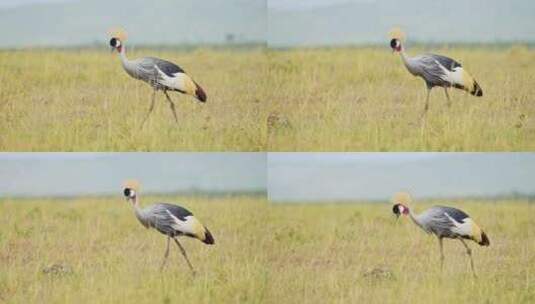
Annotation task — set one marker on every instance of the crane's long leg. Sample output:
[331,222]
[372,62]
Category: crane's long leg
[447,96]
[166,253]
[185,255]
[469,252]
[441,253]
[426,107]
[172,105]
[150,108]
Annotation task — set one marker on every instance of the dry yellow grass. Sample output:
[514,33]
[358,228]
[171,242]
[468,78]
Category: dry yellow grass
[363,99]
[108,257]
[264,253]
[359,254]
[83,101]
[310,100]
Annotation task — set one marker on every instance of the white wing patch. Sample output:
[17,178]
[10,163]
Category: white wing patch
[177,82]
[455,77]
[190,226]
[464,228]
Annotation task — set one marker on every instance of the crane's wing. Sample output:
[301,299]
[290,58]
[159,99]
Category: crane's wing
[430,68]
[177,211]
[446,221]
[167,67]
[454,213]
[149,65]
[147,68]
[163,217]
[433,220]
[174,220]
[446,62]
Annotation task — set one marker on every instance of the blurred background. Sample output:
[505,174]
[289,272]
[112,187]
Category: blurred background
[67,23]
[294,23]
[282,23]
[333,177]
[92,174]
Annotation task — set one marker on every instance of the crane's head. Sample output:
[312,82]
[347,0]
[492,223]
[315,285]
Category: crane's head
[395,44]
[401,202]
[130,189]
[118,37]
[129,193]
[397,36]
[116,44]
[400,209]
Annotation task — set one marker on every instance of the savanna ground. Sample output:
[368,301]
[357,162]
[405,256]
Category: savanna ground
[340,99]
[364,99]
[95,251]
[359,253]
[83,100]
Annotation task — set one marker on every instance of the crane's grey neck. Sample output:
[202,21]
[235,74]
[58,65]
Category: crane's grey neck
[122,55]
[128,66]
[415,218]
[404,57]
[408,62]
[140,214]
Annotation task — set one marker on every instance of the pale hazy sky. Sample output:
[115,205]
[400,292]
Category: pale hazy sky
[306,177]
[307,4]
[73,174]
[47,23]
[15,3]
[279,23]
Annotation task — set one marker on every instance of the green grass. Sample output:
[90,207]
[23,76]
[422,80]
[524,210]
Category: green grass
[113,259]
[364,99]
[328,253]
[83,100]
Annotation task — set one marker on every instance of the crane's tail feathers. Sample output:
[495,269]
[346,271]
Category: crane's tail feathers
[199,93]
[484,239]
[476,90]
[208,238]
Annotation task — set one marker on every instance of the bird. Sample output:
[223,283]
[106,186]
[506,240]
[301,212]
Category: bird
[443,222]
[171,220]
[161,75]
[435,70]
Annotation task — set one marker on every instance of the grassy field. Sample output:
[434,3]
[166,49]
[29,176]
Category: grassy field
[103,255]
[360,254]
[363,99]
[82,100]
[340,99]
[94,250]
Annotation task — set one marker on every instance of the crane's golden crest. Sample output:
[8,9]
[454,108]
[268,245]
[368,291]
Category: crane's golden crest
[397,33]
[118,33]
[402,198]
[132,184]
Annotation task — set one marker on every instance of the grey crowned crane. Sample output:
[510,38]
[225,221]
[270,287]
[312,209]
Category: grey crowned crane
[171,220]
[435,70]
[160,74]
[443,222]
